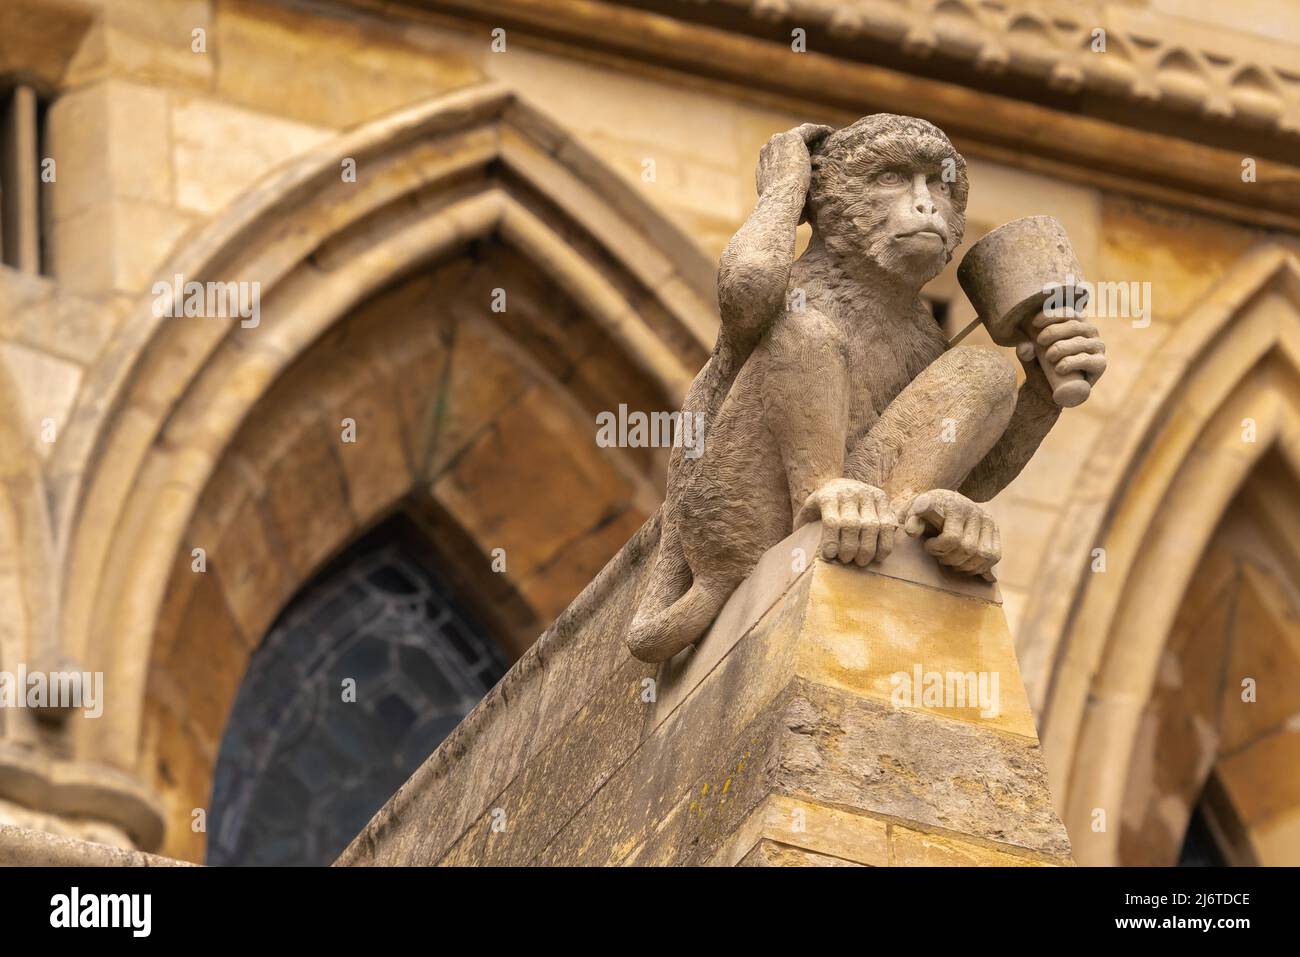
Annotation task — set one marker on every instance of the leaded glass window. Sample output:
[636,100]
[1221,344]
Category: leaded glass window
[301,769]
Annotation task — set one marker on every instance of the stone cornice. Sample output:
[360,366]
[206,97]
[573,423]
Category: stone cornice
[1149,58]
[1102,136]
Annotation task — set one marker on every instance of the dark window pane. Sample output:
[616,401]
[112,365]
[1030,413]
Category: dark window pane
[1200,849]
[300,770]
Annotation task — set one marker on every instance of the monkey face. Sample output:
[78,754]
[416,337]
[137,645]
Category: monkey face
[903,222]
[889,193]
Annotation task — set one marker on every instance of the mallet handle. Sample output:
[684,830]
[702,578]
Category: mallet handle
[1067,390]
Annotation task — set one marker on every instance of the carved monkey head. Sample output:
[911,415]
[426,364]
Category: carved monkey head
[890,192]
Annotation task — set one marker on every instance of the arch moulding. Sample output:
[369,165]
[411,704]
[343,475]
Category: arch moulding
[1151,495]
[160,408]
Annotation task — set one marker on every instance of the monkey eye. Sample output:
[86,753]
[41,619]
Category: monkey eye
[940,185]
[890,177]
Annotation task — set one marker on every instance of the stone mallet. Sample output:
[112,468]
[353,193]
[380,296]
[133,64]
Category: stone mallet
[1009,275]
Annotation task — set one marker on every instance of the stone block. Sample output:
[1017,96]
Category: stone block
[914,648]
[776,741]
[826,832]
[485,374]
[559,579]
[859,752]
[115,246]
[36,312]
[1263,780]
[332,72]
[205,673]
[111,141]
[505,508]
[306,499]
[586,642]
[221,150]
[149,42]
[721,777]
[768,853]
[917,849]
[47,386]
[248,562]
[375,465]
[183,781]
[1264,647]
[560,779]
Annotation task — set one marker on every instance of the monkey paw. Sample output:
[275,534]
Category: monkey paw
[968,539]
[786,157]
[858,524]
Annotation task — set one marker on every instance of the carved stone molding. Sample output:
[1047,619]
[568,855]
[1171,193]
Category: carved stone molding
[94,801]
[1166,114]
[476,167]
[1149,57]
[1093,642]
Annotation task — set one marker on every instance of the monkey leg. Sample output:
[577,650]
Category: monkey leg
[939,427]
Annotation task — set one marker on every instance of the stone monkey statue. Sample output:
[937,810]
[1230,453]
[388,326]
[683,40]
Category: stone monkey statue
[830,394]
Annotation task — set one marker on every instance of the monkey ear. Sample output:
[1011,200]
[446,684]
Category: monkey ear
[814,137]
[805,214]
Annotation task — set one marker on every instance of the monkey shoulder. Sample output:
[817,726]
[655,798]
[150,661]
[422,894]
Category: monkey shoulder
[804,330]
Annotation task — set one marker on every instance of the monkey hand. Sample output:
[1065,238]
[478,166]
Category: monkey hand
[785,158]
[857,523]
[967,540]
[1070,345]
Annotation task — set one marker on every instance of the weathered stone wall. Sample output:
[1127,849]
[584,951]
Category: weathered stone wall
[779,740]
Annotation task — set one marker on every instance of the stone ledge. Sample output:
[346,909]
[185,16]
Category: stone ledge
[23,847]
[790,703]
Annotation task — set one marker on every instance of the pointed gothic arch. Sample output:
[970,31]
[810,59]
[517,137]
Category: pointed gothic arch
[170,417]
[1151,495]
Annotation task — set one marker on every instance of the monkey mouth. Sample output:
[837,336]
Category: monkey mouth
[922,234]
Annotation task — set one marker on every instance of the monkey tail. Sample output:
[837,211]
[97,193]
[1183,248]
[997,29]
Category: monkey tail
[665,631]
[673,611]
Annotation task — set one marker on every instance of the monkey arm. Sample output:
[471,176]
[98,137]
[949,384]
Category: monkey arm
[1033,418]
[805,393]
[755,267]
